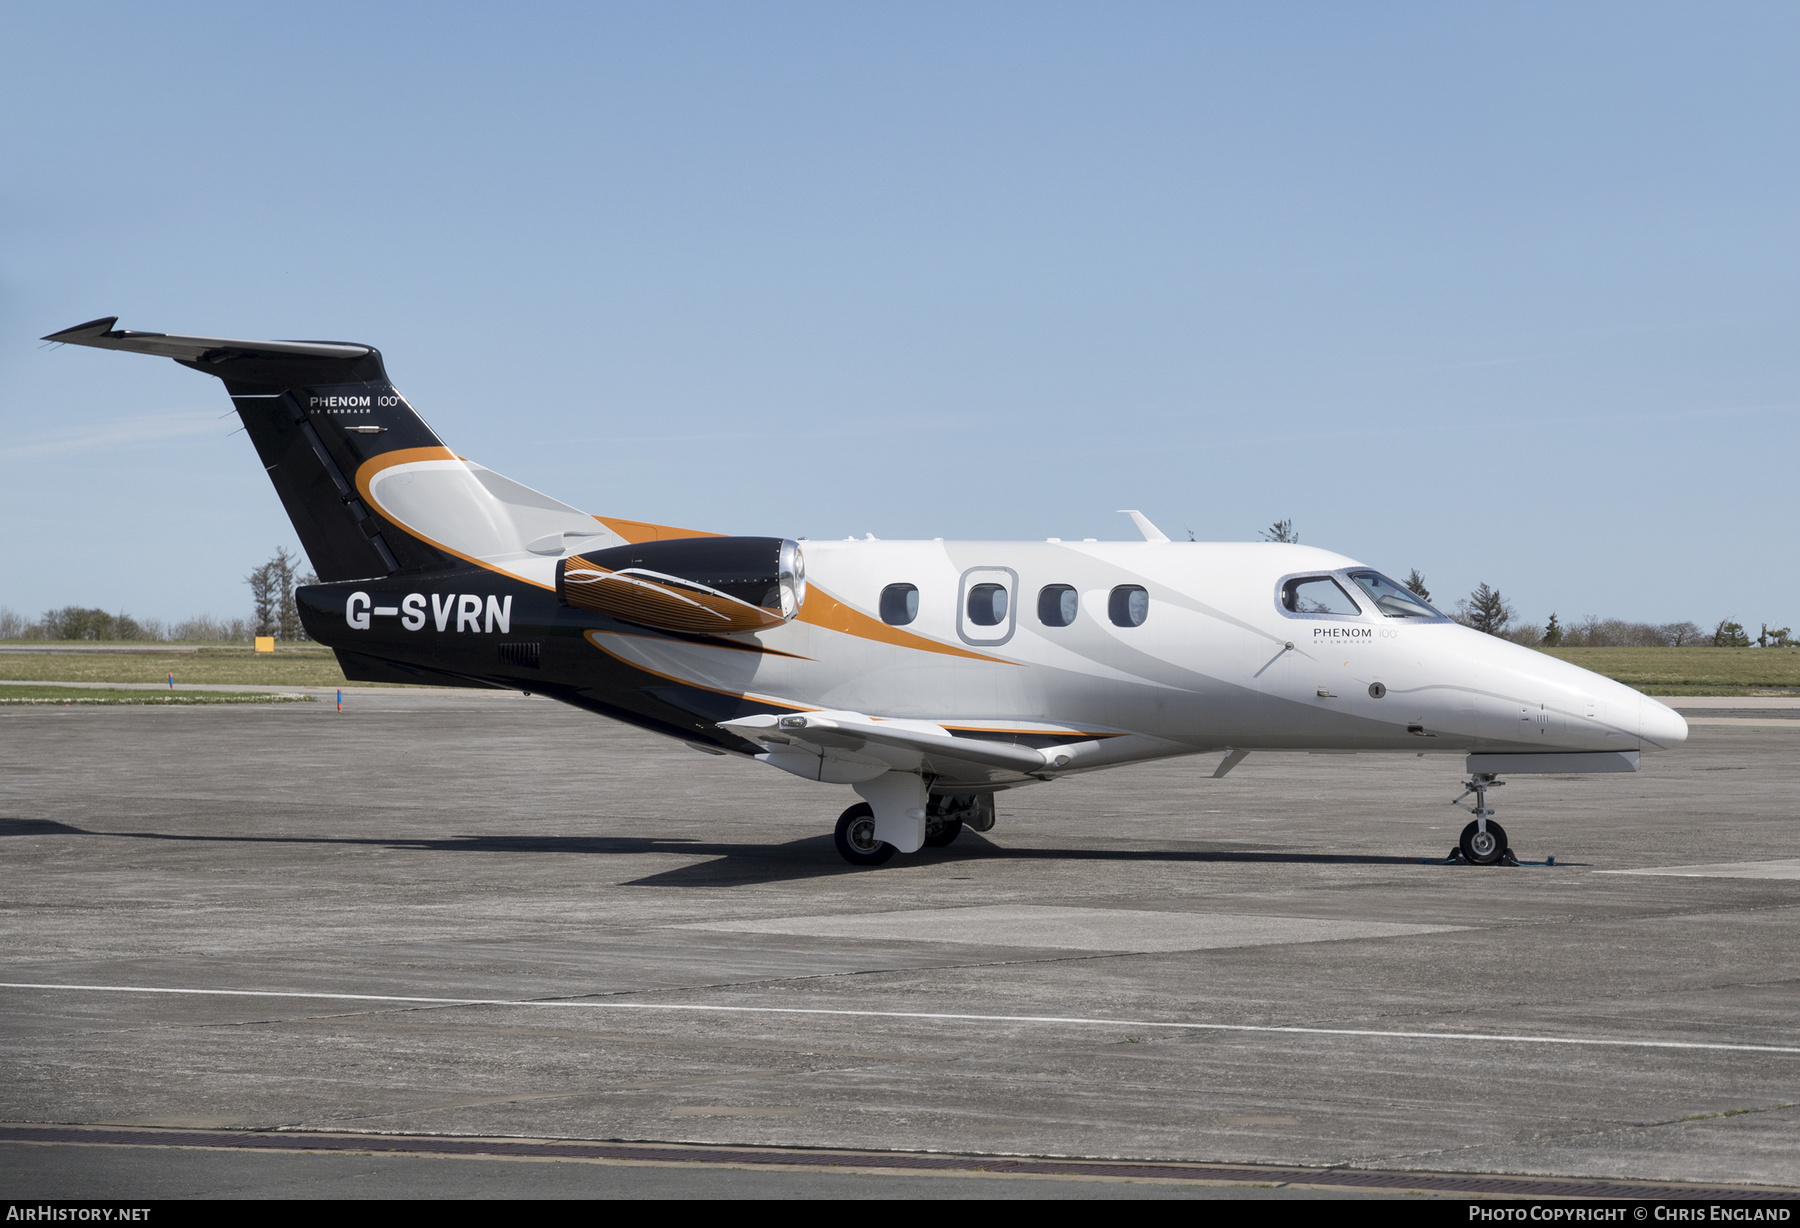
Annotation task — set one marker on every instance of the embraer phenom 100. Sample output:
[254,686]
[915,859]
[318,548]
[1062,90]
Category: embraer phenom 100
[926,676]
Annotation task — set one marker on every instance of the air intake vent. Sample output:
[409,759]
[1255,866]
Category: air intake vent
[528,655]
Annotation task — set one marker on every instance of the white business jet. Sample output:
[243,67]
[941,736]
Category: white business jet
[926,676]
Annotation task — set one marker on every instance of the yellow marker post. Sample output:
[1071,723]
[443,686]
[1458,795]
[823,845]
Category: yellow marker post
[265,643]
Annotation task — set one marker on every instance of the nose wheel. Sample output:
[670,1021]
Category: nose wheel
[1483,842]
[1483,847]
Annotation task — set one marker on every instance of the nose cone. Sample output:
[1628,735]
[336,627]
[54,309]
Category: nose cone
[1659,727]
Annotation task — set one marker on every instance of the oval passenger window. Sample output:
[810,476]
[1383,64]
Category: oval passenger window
[1057,605]
[899,604]
[987,605]
[1128,606]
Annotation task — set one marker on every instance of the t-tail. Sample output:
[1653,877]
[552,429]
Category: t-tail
[435,569]
[322,415]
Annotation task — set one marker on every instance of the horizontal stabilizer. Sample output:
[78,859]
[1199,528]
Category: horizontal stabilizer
[102,335]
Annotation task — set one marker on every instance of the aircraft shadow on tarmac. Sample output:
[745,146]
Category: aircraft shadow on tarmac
[811,857]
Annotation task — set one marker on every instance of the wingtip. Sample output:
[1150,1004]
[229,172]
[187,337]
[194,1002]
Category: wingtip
[93,328]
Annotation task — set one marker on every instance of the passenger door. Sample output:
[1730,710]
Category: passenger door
[987,606]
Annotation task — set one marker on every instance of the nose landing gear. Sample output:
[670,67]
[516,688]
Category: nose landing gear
[1483,842]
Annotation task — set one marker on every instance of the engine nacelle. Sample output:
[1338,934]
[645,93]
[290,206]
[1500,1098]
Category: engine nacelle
[695,584]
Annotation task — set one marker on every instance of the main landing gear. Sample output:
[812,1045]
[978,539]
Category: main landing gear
[855,837]
[945,818]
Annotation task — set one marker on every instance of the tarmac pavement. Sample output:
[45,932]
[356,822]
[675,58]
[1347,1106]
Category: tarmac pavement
[508,918]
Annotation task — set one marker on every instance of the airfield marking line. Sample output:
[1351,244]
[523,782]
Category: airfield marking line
[1076,1020]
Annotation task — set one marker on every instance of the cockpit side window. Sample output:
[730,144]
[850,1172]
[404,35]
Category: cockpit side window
[1317,595]
[1393,600]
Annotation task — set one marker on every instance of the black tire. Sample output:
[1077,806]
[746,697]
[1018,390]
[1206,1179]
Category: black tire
[858,823]
[1479,850]
[945,834]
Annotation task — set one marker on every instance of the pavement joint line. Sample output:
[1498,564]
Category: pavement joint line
[1067,1020]
[955,1164]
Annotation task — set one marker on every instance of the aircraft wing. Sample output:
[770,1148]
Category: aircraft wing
[854,746]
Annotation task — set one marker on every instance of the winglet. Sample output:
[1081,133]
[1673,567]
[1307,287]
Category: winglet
[1151,532]
[81,333]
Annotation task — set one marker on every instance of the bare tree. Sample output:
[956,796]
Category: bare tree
[1484,610]
[272,585]
[1281,531]
[1677,634]
[265,598]
[1415,583]
[287,614]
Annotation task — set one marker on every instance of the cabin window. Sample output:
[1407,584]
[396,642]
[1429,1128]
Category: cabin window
[987,605]
[1057,605]
[899,604]
[1128,606]
[1394,600]
[1317,595]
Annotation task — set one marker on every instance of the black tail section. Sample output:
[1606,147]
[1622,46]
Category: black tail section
[317,411]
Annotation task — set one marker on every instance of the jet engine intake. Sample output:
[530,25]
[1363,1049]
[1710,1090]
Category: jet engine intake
[694,584]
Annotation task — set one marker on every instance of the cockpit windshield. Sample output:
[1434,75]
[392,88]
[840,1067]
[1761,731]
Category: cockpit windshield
[1394,600]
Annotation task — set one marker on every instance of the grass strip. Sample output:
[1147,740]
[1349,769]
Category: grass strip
[1692,671]
[48,696]
[308,665]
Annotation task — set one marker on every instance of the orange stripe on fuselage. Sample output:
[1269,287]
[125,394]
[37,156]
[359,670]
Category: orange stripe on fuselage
[635,531]
[823,610]
[820,609]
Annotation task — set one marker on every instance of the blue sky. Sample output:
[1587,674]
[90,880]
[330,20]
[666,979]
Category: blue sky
[1502,292]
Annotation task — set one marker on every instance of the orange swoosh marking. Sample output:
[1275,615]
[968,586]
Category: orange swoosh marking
[1048,733]
[405,456]
[823,610]
[635,531]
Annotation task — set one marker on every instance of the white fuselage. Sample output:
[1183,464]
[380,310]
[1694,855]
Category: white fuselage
[1217,662]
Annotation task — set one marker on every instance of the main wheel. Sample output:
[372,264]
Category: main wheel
[945,833]
[855,837]
[1483,848]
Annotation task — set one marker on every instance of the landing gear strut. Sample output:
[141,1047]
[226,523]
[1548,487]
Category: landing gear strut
[947,815]
[1483,842]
